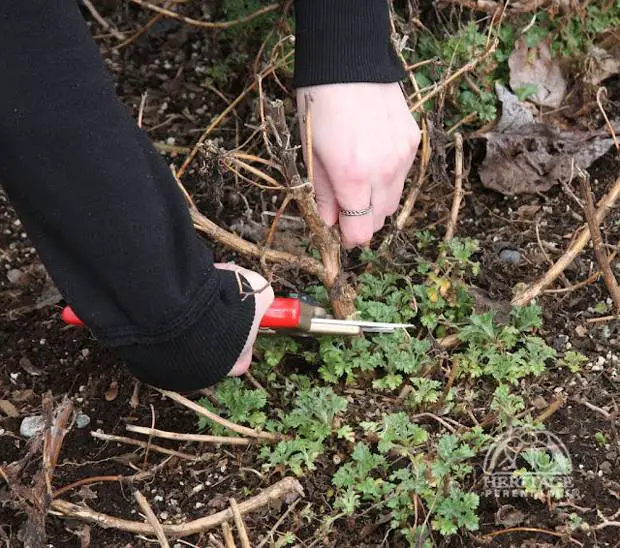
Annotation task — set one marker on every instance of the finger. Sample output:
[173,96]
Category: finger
[355,197]
[324,194]
[241,366]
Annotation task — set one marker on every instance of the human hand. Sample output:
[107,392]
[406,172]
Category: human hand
[264,298]
[364,143]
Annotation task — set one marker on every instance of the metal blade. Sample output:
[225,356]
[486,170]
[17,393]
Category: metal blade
[369,327]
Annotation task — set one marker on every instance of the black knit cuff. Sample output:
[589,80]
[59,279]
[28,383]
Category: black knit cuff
[205,351]
[344,41]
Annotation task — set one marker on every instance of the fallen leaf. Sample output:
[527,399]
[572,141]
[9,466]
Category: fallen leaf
[27,366]
[20,396]
[50,296]
[112,392]
[581,331]
[528,210]
[524,156]
[600,65]
[533,68]
[9,409]
[509,516]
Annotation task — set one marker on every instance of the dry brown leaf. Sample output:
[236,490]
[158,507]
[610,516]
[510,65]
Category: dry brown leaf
[112,392]
[526,156]
[534,67]
[601,64]
[29,368]
[9,409]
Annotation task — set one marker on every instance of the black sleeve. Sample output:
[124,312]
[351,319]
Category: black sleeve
[342,41]
[102,208]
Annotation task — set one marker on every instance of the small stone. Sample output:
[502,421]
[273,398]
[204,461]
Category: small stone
[510,255]
[17,277]
[82,420]
[606,467]
[612,456]
[164,515]
[31,426]
[540,403]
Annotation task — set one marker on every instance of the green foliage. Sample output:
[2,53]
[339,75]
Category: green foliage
[425,391]
[573,361]
[238,404]
[505,352]
[506,405]
[543,477]
[312,421]
[457,511]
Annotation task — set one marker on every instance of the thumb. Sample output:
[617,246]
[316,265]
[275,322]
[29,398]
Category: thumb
[263,296]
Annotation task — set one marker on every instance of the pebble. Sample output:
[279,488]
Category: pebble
[606,467]
[510,255]
[82,420]
[16,276]
[31,426]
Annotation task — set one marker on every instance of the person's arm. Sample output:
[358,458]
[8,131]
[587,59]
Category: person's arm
[365,139]
[103,210]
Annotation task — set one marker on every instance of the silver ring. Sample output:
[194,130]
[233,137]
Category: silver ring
[356,212]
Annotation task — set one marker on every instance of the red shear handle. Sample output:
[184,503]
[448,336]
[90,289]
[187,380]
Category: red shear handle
[70,317]
[284,313]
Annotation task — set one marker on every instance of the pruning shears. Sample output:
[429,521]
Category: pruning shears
[295,316]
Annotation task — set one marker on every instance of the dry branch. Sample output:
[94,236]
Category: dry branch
[458,188]
[324,238]
[220,440]
[140,476]
[595,233]
[196,408]
[143,444]
[105,24]
[228,535]
[286,488]
[532,291]
[463,70]
[243,534]
[151,518]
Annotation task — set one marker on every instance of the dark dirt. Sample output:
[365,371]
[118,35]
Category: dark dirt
[63,360]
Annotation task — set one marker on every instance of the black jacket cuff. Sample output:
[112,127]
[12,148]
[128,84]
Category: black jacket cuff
[344,41]
[198,353]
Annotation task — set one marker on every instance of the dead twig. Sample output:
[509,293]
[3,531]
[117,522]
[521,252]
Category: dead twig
[102,21]
[494,534]
[243,534]
[219,440]
[324,238]
[458,188]
[607,122]
[603,319]
[228,535]
[151,518]
[199,409]
[463,70]
[269,536]
[238,244]
[553,408]
[287,488]
[143,445]
[536,288]
[207,24]
[128,480]
[595,234]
